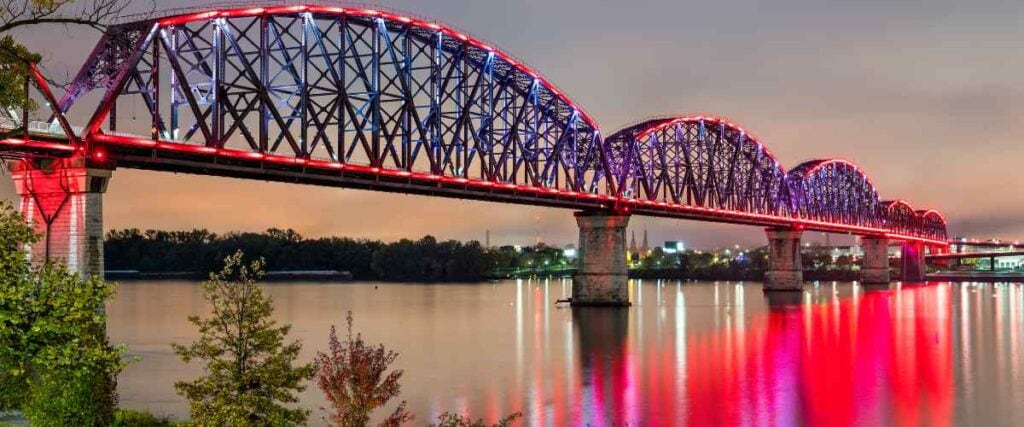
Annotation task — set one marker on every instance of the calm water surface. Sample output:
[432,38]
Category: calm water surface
[694,353]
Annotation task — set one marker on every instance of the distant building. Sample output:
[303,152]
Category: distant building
[570,252]
[673,247]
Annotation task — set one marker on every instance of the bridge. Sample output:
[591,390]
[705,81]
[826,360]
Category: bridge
[370,99]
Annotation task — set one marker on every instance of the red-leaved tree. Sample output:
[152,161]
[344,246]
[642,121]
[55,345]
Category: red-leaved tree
[353,375]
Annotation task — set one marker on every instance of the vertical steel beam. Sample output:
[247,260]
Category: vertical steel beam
[155,85]
[304,110]
[264,58]
[172,52]
[375,114]
[340,144]
[219,90]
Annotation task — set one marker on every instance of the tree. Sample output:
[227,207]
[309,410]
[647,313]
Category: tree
[250,372]
[55,362]
[352,376]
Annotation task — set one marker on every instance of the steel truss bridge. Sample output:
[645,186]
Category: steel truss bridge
[370,99]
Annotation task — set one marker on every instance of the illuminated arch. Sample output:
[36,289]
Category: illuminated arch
[835,190]
[702,161]
[932,224]
[351,86]
[900,217]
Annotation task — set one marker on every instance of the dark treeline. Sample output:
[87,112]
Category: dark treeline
[200,252]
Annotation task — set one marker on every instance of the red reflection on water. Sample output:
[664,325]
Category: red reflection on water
[882,357]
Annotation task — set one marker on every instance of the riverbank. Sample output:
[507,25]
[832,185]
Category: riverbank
[271,276]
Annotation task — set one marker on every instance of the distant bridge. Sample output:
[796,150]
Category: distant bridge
[369,99]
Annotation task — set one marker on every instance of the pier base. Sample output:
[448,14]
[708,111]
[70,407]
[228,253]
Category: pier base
[602,277]
[874,269]
[785,268]
[63,201]
[912,262]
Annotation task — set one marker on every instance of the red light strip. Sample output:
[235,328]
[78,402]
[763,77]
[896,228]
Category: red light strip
[426,177]
[21,142]
[258,11]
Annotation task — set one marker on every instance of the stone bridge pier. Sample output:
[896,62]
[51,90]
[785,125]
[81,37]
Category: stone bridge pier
[912,265]
[602,278]
[63,201]
[874,269]
[785,268]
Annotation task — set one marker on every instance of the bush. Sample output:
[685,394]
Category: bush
[449,419]
[132,418]
[61,398]
[353,376]
[57,366]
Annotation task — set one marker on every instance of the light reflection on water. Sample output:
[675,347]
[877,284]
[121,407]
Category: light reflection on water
[695,353]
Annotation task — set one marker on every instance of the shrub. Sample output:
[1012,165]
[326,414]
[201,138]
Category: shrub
[132,418]
[58,367]
[352,376]
[449,419]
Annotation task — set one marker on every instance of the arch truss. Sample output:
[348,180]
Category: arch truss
[371,99]
[706,166]
[344,86]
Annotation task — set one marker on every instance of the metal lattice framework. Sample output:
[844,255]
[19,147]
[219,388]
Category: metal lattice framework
[370,99]
[352,86]
[716,167]
[835,191]
[696,161]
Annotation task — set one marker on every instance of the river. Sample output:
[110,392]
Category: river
[693,353]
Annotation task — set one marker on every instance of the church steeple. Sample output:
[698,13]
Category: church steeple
[632,244]
[645,249]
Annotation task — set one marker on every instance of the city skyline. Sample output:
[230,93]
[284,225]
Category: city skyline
[805,97]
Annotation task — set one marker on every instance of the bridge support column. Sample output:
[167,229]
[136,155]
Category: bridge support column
[874,268]
[785,268]
[912,262]
[602,278]
[63,200]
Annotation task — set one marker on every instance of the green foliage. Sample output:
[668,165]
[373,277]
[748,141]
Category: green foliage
[353,376]
[14,70]
[250,374]
[449,419]
[132,418]
[55,362]
[63,398]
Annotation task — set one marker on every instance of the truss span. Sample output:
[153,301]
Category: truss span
[370,99]
[707,163]
[349,86]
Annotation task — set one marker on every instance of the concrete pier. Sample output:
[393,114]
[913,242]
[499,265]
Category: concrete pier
[912,262]
[874,269]
[602,278]
[63,200]
[785,268]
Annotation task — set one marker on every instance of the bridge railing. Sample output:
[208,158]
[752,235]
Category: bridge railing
[38,127]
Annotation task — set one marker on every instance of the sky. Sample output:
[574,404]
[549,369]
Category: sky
[926,96]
